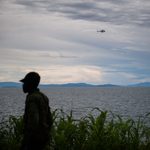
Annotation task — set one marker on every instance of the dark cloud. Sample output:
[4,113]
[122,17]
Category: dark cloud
[64,56]
[113,11]
[80,6]
[27,3]
[60,55]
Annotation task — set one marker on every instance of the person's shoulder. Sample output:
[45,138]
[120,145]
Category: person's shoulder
[42,94]
[38,95]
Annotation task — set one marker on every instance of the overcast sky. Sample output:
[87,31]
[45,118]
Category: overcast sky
[59,40]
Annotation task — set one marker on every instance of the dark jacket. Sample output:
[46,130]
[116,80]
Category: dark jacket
[37,118]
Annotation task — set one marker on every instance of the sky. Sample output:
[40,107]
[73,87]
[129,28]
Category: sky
[59,40]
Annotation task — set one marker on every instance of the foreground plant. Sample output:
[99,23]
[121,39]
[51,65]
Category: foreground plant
[88,133]
[11,133]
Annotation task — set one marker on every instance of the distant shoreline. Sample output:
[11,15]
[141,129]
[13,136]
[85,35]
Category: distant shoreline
[15,85]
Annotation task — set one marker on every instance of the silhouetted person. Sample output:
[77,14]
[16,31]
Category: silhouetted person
[37,116]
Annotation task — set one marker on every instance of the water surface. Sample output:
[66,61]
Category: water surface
[128,102]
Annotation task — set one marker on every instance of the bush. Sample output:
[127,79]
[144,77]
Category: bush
[88,133]
[11,133]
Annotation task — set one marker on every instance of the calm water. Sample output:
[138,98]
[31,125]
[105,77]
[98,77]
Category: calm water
[128,102]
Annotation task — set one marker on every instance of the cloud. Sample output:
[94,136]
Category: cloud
[135,49]
[60,55]
[59,39]
[133,12]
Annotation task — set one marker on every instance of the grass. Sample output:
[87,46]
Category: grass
[87,133]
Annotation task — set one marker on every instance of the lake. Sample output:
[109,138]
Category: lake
[128,102]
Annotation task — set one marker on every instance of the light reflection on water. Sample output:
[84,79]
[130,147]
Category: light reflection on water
[127,102]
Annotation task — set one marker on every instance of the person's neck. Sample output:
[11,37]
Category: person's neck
[32,90]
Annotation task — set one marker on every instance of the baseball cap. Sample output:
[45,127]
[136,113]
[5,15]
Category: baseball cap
[31,77]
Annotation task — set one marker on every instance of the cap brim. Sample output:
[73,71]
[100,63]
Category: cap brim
[22,80]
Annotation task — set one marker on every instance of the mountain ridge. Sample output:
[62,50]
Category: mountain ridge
[15,84]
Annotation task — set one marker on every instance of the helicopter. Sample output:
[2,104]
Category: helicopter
[102,31]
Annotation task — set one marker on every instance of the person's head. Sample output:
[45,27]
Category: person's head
[31,81]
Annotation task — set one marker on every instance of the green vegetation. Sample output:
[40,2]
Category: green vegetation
[88,133]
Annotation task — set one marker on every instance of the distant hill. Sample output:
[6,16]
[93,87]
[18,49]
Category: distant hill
[145,84]
[67,85]
[107,85]
[14,84]
[10,84]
